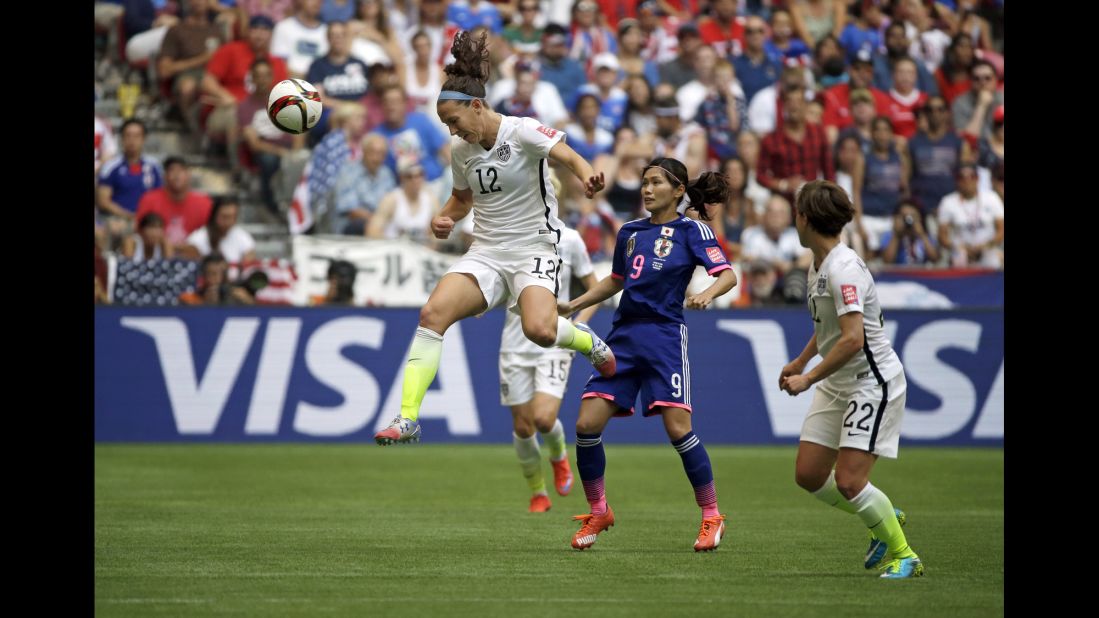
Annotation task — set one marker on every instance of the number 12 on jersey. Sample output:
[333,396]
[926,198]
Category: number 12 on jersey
[491,174]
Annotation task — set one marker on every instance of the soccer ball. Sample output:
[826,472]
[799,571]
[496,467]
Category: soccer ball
[294,106]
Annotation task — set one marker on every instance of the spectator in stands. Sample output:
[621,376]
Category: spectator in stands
[183,209]
[838,114]
[414,136]
[639,105]
[528,95]
[148,242]
[374,39]
[586,137]
[765,108]
[227,81]
[661,42]
[928,42]
[747,147]
[783,47]
[973,110]
[723,111]
[612,99]
[680,70]
[896,47]
[684,141]
[214,287]
[423,78]
[406,212]
[722,30]
[335,150]
[341,284]
[301,38]
[863,110]
[815,19]
[556,66]
[631,40]
[525,35]
[953,74]
[990,150]
[849,164]
[125,178]
[754,68]
[795,153]
[623,173]
[469,14]
[885,176]
[269,147]
[935,155]
[222,234]
[340,78]
[381,78]
[998,180]
[333,11]
[105,144]
[360,187]
[905,97]
[740,211]
[274,10]
[775,240]
[101,295]
[186,49]
[971,223]
[862,32]
[907,243]
[587,38]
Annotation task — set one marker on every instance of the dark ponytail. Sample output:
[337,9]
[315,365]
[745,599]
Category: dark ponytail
[470,69]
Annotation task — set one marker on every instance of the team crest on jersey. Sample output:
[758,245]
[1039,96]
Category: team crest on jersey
[666,231]
[822,284]
[504,152]
[662,247]
[630,244]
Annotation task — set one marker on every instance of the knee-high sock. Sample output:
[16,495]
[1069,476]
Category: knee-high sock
[419,371]
[876,511]
[530,461]
[831,496]
[696,463]
[572,338]
[591,461]
[555,441]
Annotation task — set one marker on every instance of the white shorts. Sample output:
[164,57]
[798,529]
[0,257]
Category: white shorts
[503,274]
[523,374]
[868,419]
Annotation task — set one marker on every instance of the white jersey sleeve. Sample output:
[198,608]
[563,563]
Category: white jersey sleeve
[848,285]
[541,138]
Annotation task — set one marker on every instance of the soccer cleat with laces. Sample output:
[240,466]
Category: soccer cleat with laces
[875,554]
[600,355]
[710,533]
[539,503]
[590,528]
[562,476]
[903,568]
[400,431]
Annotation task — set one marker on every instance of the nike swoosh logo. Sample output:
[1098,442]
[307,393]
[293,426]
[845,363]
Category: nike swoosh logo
[416,359]
[855,434]
[468,160]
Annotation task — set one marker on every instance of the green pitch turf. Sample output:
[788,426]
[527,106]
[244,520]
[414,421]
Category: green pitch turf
[431,530]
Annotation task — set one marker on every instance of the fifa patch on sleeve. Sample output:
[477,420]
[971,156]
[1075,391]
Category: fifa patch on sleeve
[850,295]
[547,131]
[715,255]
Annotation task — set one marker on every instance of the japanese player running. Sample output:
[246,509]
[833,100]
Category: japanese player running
[653,262]
[856,412]
[501,173]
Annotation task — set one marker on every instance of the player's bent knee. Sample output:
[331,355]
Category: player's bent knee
[849,484]
[544,337]
[810,480]
[433,319]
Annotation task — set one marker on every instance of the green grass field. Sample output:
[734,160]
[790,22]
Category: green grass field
[356,530]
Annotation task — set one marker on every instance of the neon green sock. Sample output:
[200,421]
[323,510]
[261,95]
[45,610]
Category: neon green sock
[572,338]
[420,370]
[831,496]
[555,441]
[530,461]
[876,511]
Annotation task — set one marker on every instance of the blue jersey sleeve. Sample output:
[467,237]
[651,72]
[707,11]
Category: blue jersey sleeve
[705,248]
[618,263]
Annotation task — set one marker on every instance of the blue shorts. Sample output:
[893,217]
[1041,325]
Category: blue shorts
[651,360]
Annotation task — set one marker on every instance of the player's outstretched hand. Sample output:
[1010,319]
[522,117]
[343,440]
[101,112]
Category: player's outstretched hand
[441,227]
[593,186]
[699,301]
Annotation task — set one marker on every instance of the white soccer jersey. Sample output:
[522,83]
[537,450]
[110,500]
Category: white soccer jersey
[513,199]
[841,285]
[574,261]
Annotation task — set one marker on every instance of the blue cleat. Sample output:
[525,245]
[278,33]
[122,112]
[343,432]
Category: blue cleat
[875,554]
[903,568]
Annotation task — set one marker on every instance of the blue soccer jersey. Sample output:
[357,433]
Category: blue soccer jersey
[649,337]
[656,262]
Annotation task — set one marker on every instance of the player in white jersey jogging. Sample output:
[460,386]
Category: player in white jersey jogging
[500,169]
[857,408]
[533,379]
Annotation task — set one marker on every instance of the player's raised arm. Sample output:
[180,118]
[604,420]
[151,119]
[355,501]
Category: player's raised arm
[565,155]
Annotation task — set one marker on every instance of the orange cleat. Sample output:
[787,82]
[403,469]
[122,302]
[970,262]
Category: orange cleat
[562,476]
[539,503]
[592,526]
[710,533]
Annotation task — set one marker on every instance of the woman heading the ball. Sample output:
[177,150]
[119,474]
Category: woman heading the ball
[501,173]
